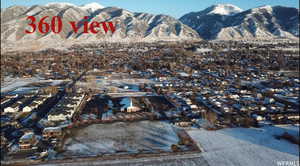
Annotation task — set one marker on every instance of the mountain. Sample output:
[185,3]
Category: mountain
[60,4]
[227,22]
[223,22]
[130,26]
[222,9]
[91,7]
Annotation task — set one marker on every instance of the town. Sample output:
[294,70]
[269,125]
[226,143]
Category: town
[52,101]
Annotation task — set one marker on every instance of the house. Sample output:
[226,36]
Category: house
[193,106]
[28,141]
[60,115]
[258,117]
[12,109]
[41,99]
[52,133]
[35,104]
[30,107]
[183,124]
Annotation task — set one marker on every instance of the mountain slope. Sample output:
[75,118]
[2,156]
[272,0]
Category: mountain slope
[259,23]
[130,26]
[91,7]
[223,9]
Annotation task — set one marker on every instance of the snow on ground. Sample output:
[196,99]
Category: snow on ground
[226,147]
[115,83]
[13,83]
[202,50]
[10,84]
[246,146]
[88,7]
[121,137]
[92,7]
[225,9]
[60,4]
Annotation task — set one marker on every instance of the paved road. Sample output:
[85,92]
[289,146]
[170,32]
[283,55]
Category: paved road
[176,160]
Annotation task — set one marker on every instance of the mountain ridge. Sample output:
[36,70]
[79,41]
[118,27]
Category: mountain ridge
[264,22]
[130,24]
[217,22]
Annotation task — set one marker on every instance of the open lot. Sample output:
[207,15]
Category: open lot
[247,146]
[122,138]
[20,85]
[113,82]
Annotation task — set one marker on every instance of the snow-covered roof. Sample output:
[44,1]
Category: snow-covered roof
[52,129]
[27,136]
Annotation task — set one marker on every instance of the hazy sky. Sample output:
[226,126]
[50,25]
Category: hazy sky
[174,8]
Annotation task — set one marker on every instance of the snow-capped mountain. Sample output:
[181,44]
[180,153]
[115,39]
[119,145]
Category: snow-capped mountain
[130,27]
[59,4]
[91,7]
[223,22]
[264,22]
[223,9]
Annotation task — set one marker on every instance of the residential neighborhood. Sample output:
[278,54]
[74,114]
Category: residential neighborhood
[189,85]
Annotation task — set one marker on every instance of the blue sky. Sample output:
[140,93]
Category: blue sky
[175,8]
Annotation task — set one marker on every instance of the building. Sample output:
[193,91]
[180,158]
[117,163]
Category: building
[65,108]
[128,106]
[31,107]
[54,135]
[12,109]
[28,141]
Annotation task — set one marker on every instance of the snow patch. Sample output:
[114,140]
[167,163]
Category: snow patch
[247,146]
[60,4]
[91,7]
[225,9]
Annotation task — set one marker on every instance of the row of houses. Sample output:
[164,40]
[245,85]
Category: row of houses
[65,108]
[27,103]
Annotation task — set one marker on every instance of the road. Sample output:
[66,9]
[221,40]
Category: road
[175,160]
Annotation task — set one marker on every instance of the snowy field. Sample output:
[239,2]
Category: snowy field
[119,85]
[121,138]
[226,147]
[10,84]
[13,83]
[246,146]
